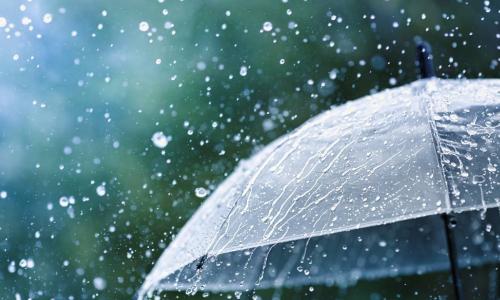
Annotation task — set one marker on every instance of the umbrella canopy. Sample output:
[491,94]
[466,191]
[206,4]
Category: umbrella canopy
[316,205]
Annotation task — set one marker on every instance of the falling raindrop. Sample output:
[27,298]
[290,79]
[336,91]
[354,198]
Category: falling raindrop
[47,18]
[101,190]
[99,283]
[201,192]
[243,71]
[267,26]
[12,267]
[159,140]
[22,263]
[64,201]
[168,25]
[143,26]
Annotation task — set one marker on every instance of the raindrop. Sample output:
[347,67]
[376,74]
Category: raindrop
[101,190]
[143,26]
[22,263]
[382,243]
[99,283]
[201,192]
[3,194]
[333,74]
[168,25]
[30,263]
[25,21]
[243,71]
[159,140]
[478,179]
[201,65]
[12,267]
[3,22]
[64,201]
[67,150]
[47,18]
[267,26]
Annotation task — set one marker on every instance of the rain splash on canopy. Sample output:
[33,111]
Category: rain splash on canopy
[286,216]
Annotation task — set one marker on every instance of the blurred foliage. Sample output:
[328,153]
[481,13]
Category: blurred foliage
[83,90]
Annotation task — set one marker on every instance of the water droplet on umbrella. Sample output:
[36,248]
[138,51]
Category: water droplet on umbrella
[478,179]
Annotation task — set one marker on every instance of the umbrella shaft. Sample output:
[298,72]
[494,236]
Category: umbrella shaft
[452,254]
[424,56]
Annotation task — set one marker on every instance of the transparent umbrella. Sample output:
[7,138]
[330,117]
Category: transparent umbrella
[358,192]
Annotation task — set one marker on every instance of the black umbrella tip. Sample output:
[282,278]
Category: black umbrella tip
[425,59]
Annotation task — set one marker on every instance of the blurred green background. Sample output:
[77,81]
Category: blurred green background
[88,202]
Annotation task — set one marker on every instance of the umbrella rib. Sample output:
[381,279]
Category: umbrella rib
[436,141]
[448,219]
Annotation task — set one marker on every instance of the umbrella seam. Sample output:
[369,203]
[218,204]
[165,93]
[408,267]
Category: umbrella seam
[436,141]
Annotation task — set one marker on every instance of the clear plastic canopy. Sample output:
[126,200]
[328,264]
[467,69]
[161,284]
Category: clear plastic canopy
[420,150]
